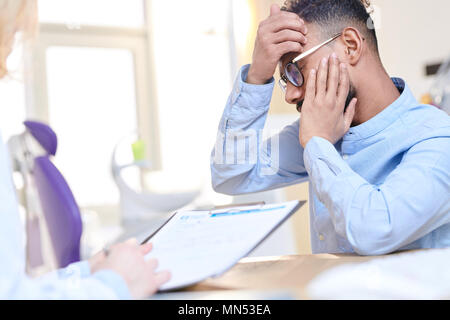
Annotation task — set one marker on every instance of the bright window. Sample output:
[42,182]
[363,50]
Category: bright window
[103,68]
[90,110]
[92,78]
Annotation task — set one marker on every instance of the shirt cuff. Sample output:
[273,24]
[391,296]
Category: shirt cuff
[243,92]
[320,149]
[115,282]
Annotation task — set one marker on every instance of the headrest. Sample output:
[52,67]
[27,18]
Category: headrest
[44,135]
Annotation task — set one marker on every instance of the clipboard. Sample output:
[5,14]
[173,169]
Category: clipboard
[196,245]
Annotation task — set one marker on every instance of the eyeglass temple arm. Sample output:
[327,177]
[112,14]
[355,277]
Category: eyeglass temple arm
[312,50]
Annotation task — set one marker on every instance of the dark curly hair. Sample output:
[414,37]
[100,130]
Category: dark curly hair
[334,15]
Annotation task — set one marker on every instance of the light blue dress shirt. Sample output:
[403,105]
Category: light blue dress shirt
[385,186]
[73,282]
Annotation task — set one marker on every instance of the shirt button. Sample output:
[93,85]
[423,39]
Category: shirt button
[345,156]
[321,237]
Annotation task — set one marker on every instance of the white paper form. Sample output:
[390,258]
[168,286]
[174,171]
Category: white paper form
[195,245]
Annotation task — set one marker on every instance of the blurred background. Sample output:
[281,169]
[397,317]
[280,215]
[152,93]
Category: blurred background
[149,79]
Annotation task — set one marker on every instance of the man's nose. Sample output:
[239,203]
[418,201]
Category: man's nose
[293,94]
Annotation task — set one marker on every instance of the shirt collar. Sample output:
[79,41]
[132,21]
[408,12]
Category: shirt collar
[386,117]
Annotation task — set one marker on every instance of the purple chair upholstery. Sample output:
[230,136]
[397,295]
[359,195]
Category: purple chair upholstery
[44,135]
[60,209]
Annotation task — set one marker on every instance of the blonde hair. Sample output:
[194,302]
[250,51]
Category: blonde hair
[15,16]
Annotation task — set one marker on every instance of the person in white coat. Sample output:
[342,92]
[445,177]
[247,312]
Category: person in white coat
[122,273]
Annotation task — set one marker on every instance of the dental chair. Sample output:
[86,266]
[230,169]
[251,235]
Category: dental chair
[32,153]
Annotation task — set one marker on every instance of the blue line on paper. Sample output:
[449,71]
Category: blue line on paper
[233,213]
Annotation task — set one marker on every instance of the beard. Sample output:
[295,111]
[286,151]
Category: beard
[350,96]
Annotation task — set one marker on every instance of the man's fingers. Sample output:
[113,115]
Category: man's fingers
[162,277]
[350,114]
[310,92]
[289,35]
[280,23]
[333,76]
[274,9]
[344,85]
[322,76]
[277,14]
[288,47]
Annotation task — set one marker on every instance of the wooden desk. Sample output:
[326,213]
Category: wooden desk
[291,273]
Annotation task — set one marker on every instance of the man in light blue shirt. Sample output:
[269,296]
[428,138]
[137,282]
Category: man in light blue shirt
[378,161]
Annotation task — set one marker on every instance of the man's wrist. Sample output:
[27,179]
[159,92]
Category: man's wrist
[253,79]
[248,95]
[304,142]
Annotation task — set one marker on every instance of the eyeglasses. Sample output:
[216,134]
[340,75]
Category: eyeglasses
[292,72]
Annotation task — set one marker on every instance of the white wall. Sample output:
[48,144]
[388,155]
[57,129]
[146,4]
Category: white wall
[413,33]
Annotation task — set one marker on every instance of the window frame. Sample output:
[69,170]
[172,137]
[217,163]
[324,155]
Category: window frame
[137,40]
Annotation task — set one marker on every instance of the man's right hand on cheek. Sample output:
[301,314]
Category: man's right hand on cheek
[281,33]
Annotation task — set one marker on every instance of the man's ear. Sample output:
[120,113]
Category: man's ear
[354,44]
